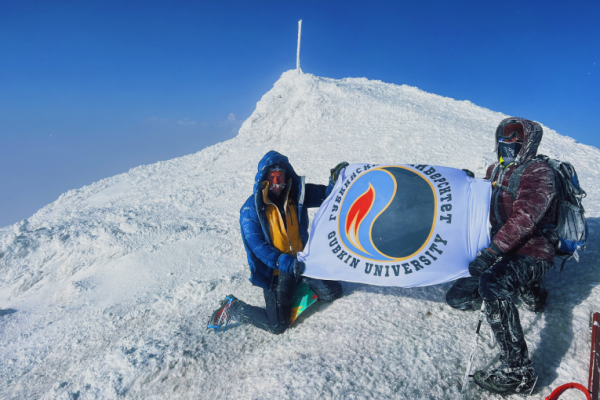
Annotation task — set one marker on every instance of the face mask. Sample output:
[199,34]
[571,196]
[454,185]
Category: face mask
[508,152]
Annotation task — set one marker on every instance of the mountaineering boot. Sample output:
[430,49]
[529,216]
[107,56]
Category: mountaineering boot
[534,296]
[515,373]
[507,380]
[220,318]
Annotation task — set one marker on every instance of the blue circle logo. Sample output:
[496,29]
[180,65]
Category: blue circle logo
[387,214]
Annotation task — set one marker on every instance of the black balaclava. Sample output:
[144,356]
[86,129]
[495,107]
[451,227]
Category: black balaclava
[508,152]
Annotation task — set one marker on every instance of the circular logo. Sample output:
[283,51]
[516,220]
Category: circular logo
[387,214]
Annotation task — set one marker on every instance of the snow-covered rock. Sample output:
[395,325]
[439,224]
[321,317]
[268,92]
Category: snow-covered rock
[113,283]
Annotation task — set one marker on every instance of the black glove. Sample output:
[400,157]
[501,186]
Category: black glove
[469,173]
[484,260]
[335,172]
[298,269]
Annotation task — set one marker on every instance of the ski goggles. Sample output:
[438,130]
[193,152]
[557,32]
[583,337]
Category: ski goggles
[512,131]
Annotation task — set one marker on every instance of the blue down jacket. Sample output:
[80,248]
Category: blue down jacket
[263,258]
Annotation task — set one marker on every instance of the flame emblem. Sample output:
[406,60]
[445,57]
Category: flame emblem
[357,213]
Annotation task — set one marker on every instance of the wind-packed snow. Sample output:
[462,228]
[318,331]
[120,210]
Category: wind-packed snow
[106,292]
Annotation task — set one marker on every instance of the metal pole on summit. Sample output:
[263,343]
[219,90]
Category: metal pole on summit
[298,51]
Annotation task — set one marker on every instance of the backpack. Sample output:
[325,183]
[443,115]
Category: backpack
[570,232]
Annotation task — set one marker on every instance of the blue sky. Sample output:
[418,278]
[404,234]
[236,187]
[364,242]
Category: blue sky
[90,89]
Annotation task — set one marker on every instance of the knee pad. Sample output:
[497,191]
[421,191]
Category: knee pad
[452,300]
[463,304]
[464,294]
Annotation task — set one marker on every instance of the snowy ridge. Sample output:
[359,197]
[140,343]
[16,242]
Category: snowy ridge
[113,283]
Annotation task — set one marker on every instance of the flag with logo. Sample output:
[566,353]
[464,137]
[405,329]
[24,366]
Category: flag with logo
[399,225]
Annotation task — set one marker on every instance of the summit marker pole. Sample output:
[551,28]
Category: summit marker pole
[298,51]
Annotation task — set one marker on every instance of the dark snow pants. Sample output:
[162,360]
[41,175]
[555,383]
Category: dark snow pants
[496,287]
[275,318]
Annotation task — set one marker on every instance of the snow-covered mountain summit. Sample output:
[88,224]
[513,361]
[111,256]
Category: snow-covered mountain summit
[112,283]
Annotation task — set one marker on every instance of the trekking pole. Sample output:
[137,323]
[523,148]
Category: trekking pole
[591,392]
[470,363]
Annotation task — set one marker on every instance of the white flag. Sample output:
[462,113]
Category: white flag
[399,225]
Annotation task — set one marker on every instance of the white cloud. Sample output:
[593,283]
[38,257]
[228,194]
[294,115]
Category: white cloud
[231,117]
[186,122]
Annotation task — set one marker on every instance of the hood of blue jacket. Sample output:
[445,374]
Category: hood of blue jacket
[272,158]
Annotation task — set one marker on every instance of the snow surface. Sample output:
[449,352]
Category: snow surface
[106,292]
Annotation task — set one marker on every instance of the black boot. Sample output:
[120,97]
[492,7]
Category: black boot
[534,296]
[507,380]
[515,374]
